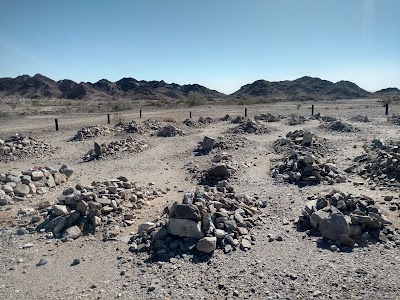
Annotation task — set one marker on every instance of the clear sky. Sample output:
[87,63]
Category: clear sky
[222,44]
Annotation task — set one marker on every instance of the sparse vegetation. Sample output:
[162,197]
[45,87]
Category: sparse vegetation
[117,118]
[120,105]
[298,105]
[195,99]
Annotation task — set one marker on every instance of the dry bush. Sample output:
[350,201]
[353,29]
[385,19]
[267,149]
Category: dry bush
[118,118]
[120,105]
[195,99]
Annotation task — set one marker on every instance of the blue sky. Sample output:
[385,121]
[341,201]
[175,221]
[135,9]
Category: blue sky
[222,44]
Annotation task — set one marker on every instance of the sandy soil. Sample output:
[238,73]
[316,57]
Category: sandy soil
[294,268]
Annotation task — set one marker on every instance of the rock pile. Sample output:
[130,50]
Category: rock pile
[18,146]
[20,186]
[395,119]
[205,220]
[360,118]
[250,126]
[101,206]
[169,130]
[345,219]
[302,163]
[108,149]
[380,164]
[268,117]
[231,141]
[296,120]
[200,122]
[340,126]
[323,118]
[90,132]
[130,127]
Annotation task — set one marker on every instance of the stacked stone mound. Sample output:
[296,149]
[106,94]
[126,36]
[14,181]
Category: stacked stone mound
[101,206]
[18,146]
[108,149]
[130,127]
[169,130]
[227,117]
[20,186]
[360,118]
[90,132]
[301,165]
[238,119]
[296,120]
[339,126]
[205,220]
[202,121]
[345,219]
[250,126]
[231,141]
[395,119]
[380,164]
[268,117]
[152,125]
[323,118]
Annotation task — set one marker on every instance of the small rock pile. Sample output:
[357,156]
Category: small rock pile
[231,141]
[238,119]
[169,130]
[130,127]
[340,126]
[90,132]
[296,120]
[268,117]
[395,119]
[16,187]
[101,206]
[205,220]
[18,146]
[108,149]
[323,118]
[302,164]
[200,122]
[360,118]
[250,126]
[345,219]
[380,164]
[227,117]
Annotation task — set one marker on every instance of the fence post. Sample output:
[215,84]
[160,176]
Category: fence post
[245,112]
[190,114]
[56,121]
[140,113]
[312,109]
[108,118]
[387,109]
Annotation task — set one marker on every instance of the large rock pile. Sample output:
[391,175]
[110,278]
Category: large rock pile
[201,121]
[20,186]
[169,130]
[340,126]
[296,120]
[268,117]
[205,220]
[302,163]
[108,149]
[380,164]
[101,206]
[231,141]
[345,219]
[90,132]
[395,119]
[130,127]
[250,126]
[18,146]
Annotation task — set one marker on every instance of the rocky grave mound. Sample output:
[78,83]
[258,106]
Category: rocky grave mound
[129,127]
[250,126]
[18,147]
[169,131]
[90,132]
[227,117]
[238,119]
[231,142]
[206,220]
[345,220]
[395,119]
[268,117]
[380,165]
[129,145]
[201,121]
[359,118]
[16,187]
[303,162]
[339,126]
[296,120]
[323,118]
[100,207]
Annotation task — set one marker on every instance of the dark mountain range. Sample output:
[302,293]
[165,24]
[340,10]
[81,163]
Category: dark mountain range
[306,87]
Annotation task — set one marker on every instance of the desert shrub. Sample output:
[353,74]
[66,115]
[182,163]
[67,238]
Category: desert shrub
[118,118]
[195,99]
[298,105]
[120,105]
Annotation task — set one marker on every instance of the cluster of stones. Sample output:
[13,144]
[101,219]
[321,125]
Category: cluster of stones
[296,120]
[395,119]
[231,141]
[130,145]
[380,165]
[268,117]
[345,219]
[301,166]
[18,146]
[360,118]
[130,127]
[100,206]
[339,126]
[323,118]
[170,130]
[250,126]
[201,121]
[19,187]
[90,132]
[205,220]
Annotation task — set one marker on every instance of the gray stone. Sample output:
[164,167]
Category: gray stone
[37,175]
[207,144]
[144,226]
[59,210]
[245,244]
[184,211]
[219,171]
[307,138]
[230,225]
[207,244]
[42,262]
[50,182]
[81,206]
[21,190]
[68,171]
[317,217]
[72,233]
[60,225]
[334,226]
[185,228]
[346,241]
[97,150]
[220,234]
[308,159]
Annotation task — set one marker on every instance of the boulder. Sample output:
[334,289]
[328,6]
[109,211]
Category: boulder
[184,211]
[185,228]
[207,244]
[219,171]
[334,226]
[72,233]
[21,190]
[207,144]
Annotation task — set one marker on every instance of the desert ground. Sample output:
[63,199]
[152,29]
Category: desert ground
[283,262]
